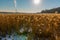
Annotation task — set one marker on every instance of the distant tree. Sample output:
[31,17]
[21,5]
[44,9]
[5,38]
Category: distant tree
[51,10]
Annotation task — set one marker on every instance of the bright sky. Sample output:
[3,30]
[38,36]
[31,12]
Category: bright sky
[28,5]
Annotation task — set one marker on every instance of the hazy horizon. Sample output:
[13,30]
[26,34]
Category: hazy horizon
[27,5]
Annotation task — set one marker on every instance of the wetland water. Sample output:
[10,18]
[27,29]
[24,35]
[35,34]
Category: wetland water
[15,37]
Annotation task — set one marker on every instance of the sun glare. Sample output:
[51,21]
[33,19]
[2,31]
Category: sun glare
[36,2]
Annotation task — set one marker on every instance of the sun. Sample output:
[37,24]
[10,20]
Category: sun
[36,2]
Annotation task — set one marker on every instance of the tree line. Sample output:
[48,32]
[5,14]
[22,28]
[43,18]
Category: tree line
[53,10]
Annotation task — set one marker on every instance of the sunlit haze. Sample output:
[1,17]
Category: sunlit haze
[28,5]
[36,2]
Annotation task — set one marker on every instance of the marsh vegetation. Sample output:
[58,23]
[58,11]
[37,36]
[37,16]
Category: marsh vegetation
[29,27]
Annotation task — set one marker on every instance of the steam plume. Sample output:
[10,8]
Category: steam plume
[15,5]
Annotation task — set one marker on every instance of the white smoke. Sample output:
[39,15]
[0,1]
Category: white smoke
[15,4]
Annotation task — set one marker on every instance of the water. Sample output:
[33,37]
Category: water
[16,37]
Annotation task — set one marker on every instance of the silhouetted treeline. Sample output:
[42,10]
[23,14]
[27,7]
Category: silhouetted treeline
[51,10]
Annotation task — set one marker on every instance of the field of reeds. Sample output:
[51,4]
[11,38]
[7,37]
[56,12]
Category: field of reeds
[37,26]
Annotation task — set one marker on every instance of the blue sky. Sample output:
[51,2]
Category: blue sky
[27,5]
